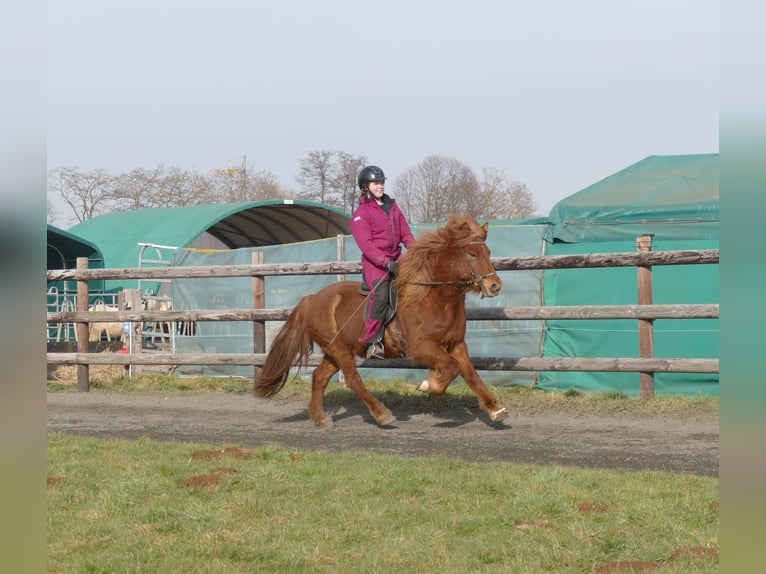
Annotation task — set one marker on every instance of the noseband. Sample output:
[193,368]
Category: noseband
[477,279]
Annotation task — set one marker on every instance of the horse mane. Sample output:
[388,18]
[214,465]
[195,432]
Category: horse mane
[418,263]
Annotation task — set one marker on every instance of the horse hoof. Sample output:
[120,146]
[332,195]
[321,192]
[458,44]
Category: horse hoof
[386,420]
[499,414]
[423,387]
[325,422]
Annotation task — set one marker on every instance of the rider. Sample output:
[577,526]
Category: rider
[379,228]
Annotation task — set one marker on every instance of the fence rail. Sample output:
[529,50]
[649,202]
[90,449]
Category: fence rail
[690,311]
[526,263]
[482,363]
[645,312]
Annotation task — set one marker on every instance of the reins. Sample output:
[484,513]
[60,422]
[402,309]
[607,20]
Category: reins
[436,283]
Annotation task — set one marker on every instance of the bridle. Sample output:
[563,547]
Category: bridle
[477,279]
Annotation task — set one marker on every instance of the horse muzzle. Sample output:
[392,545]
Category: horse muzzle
[491,286]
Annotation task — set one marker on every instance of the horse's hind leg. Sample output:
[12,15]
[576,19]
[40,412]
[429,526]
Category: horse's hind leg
[354,382]
[322,375]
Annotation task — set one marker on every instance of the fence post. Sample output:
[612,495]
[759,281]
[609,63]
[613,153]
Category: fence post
[82,329]
[259,302]
[135,336]
[341,243]
[645,326]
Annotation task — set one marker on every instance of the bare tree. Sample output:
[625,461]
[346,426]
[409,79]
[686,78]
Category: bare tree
[347,168]
[196,189]
[52,212]
[159,187]
[139,189]
[86,193]
[503,198]
[329,176]
[262,185]
[441,185]
[182,187]
[96,193]
[428,193]
[243,183]
[436,187]
[316,176]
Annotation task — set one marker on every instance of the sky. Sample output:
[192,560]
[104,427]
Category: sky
[556,94]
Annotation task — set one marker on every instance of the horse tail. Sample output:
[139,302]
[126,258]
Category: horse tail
[291,345]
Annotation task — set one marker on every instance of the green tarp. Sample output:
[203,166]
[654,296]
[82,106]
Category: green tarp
[673,338]
[64,248]
[673,197]
[230,225]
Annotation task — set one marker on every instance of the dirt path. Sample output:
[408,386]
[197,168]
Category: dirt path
[620,442]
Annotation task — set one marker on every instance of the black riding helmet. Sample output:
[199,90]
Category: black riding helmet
[369,173]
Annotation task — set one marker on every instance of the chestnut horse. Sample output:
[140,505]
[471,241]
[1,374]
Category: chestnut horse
[434,276]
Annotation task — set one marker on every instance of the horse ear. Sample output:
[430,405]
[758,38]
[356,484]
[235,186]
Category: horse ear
[485,228]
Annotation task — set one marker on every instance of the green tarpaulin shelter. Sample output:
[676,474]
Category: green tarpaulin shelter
[674,198]
[671,196]
[64,249]
[120,235]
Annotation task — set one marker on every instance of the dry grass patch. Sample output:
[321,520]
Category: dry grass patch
[519,399]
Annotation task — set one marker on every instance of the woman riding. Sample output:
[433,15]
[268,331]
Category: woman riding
[379,228]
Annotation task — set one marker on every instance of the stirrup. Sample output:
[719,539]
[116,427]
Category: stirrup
[376,350]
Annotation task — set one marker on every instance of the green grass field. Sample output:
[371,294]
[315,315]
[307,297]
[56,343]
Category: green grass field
[144,506]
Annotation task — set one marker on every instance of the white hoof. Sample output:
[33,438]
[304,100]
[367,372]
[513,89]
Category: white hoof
[424,387]
[499,414]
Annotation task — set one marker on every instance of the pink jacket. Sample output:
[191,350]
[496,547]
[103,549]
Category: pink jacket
[379,236]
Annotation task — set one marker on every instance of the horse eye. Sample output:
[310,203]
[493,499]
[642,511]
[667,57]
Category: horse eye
[474,255]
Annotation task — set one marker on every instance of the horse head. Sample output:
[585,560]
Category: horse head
[455,254]
[471,238]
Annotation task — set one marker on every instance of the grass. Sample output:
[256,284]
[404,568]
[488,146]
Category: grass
[144,506]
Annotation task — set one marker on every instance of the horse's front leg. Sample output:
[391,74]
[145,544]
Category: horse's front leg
[487,400]
[443,367]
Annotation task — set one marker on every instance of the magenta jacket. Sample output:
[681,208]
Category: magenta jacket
[379,236]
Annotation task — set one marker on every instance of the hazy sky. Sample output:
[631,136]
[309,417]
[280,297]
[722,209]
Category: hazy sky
[558,94]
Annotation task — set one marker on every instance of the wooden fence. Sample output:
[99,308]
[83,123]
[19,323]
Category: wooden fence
[645,312]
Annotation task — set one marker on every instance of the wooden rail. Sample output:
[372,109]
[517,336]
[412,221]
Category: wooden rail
[625,364]
[651,258]
[690,311]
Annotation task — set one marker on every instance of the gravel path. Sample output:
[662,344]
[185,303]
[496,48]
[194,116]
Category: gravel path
[617,442]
